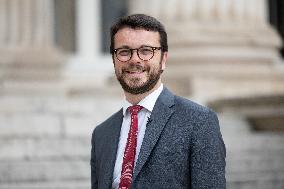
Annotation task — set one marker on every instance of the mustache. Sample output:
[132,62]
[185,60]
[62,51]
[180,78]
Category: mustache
[134,67]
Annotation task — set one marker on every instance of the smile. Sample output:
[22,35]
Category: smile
[135,72]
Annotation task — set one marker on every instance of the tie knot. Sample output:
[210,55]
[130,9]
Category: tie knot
[135,109]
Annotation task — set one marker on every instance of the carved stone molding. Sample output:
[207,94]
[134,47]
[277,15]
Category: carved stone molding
[238,11]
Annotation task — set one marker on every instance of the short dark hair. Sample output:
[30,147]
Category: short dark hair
[140,21]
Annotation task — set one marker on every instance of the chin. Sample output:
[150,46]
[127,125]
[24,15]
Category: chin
[135,83]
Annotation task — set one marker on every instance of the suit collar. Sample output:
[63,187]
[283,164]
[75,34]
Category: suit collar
[111,147]
[162,111]
[148,102]
[167,98]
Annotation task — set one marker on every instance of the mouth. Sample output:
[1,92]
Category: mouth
[135,74]
[134,71]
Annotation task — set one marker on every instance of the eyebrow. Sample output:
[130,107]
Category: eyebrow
[124,46]
[127,47]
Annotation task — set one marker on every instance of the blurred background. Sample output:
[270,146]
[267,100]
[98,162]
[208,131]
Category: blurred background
[57,83]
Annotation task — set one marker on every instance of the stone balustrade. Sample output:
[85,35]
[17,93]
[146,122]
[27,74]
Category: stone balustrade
[237,11]
[26,23]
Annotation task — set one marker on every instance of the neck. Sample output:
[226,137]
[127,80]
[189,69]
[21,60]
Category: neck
[136,98]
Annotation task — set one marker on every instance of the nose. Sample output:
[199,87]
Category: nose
[135,56]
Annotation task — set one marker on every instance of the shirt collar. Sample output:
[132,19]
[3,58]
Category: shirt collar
[148,102]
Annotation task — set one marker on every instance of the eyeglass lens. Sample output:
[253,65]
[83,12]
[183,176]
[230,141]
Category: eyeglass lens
[144,53]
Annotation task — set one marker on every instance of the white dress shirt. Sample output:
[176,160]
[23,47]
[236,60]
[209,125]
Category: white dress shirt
[148,103]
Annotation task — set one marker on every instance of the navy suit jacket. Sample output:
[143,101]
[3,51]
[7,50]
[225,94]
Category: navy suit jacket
[182,148]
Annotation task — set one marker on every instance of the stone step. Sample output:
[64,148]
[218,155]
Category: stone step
[260,180]
[41,125]
[255,166]
[44,170]
[66,105]
[72,184]
[53,116]
[245,156]
[255,142]
[17,149]
[68,157]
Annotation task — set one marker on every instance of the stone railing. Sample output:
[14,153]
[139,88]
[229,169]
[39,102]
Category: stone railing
[26,23]
[241,11]
[27,47]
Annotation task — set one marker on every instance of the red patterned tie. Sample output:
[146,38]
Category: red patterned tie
[130,149]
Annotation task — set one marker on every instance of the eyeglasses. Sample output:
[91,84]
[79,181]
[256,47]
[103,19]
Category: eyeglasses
[144,53]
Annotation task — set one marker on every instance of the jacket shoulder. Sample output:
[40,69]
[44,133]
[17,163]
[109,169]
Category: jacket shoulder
[109,121]
[195,114]
[184,104]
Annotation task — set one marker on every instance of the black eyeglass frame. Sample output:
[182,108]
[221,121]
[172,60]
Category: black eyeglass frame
[137,51]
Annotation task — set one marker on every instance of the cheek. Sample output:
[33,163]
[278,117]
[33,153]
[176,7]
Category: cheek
[157,65]
[117,65]
[117,69]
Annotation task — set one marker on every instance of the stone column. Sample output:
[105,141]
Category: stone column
[218,48]
[89,68]
[28,52]
[27,23]
[87,22]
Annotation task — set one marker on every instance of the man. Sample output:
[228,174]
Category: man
[157,140]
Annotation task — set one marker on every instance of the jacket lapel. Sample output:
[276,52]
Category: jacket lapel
[110,147]
[160,115]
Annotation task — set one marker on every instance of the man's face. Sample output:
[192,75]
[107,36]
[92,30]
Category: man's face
[138,76]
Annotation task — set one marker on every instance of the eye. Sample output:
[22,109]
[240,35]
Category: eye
[145,51]
[124,52]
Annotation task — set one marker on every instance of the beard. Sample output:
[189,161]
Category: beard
[135,86]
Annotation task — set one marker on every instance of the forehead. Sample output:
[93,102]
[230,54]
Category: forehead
[136,37]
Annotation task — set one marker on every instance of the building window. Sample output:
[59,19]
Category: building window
[276,17]
[64,21]
[111,11]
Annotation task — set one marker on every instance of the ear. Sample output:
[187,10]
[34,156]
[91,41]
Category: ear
[164,60]
[113,60]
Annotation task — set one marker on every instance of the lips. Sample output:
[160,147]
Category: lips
[134,68]
[134,74]
[134,71]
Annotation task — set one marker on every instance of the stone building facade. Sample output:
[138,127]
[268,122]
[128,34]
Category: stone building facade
[56,85]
